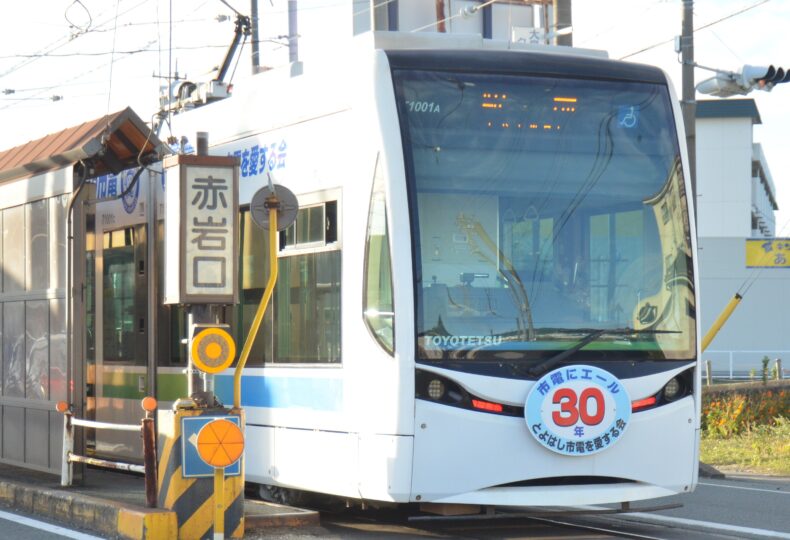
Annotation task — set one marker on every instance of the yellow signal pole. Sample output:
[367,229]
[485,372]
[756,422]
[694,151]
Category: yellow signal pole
[273,204]
[734,301]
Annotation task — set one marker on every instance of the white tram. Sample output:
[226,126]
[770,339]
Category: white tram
[488,296]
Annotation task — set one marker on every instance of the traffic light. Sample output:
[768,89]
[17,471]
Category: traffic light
[729,83]
[763,77]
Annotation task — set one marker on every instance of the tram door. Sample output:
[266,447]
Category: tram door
[117,278]
[118,380]
[120,270]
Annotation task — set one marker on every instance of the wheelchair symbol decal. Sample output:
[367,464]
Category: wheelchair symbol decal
[628,117]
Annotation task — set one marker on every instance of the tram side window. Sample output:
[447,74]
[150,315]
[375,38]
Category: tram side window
[254,266]
[377,304]
[171,319]
[307,298]
[119,287]
[303,323]
[90,290]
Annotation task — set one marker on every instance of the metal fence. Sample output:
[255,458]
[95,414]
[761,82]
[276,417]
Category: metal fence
[145,428]
[746,365]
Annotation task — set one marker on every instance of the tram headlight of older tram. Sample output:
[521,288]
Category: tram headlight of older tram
[440,389]
[436,389]
[673,389]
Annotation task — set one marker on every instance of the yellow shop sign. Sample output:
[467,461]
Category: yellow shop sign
[768,253]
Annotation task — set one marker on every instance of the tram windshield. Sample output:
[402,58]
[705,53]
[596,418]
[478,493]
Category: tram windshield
[544,210]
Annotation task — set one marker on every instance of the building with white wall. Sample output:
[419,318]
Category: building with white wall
[291,31]
[736,200]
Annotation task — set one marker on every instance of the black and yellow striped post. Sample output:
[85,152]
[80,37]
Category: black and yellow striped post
[187,484]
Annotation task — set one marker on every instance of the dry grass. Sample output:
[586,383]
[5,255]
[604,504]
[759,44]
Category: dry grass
[761,449]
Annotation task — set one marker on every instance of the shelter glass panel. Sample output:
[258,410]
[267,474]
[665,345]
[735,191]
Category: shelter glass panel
[14,349]
[36,437]
[2,265]
[57,242]
[57,350]
[37,244]
[37,349]
[13,428]
[14,249]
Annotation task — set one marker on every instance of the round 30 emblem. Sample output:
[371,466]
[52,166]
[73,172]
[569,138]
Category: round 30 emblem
[578,410]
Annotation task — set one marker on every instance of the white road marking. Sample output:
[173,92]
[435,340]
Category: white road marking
[709,525]
[747,488]
[691,523]
[54,529]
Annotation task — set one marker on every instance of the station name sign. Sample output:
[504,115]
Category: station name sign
[201,226]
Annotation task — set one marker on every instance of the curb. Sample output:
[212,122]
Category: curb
[708,471]
[267,515]
[99,515]
[127,521]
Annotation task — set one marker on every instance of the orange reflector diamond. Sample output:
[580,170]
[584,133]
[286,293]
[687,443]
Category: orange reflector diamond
[220,443]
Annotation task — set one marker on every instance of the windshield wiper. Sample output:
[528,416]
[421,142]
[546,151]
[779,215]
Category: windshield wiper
[542,367]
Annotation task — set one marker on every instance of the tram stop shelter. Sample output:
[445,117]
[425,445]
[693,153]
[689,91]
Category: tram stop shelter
[44,187]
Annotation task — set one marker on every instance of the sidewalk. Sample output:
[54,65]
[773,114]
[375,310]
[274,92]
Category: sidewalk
[112,504]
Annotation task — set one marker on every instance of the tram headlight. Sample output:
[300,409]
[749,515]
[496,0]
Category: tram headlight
[436,389]
[673,389]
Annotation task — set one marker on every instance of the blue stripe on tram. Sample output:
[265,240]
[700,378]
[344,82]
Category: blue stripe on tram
[317,393]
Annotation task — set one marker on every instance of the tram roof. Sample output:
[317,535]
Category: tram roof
[112,142]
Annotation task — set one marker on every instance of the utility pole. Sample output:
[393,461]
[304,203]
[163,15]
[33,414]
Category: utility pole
[440,26]
[562,20]
[256,47]
[688,103]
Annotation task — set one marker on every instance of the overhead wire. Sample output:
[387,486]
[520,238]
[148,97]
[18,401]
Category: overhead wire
[87,11]
[75,77]
[724,44]
[151,23]
[238,58]
[61,42]
[703,27]
[112,63]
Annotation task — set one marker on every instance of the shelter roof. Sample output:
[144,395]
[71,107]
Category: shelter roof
[113,143]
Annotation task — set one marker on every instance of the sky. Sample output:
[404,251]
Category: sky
[63,62]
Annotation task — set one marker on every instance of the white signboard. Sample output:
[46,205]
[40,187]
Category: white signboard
[201,216]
